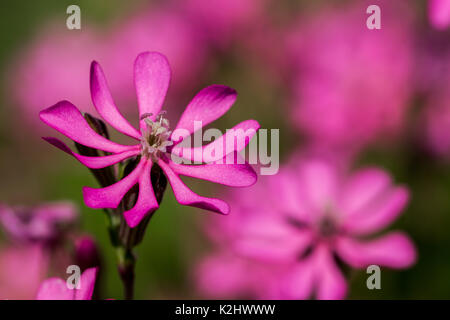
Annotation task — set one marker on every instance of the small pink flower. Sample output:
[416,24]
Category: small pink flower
[437,124]
[156,144]
[57,289]
[294,224]
[439,13]
[43,223]
[22,268]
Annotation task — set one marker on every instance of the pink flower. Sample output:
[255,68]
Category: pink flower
[22,268]
[352,85]
[290,228]
[43,223]
[87,254]
[439,13]
[156,144]
[57,289]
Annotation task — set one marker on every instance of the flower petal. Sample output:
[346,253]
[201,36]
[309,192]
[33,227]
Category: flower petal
[146,201]
[94,162]
[151,79]
[234,140]
[110,196]
[234,175]
[55,289]
[87,284]
[104,103]
[67,119]
[394,250]
[299,282]
[187,197]
[208,105]
[379,214]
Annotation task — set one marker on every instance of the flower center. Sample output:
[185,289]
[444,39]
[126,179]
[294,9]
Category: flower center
[155,136]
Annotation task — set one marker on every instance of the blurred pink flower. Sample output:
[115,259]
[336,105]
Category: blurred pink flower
[44,223]
[286,232]
[352,85]
[87,254]
[57,289]
[439,13]
[22,268]
[156,144]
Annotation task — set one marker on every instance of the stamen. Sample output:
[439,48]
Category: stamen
[155,137]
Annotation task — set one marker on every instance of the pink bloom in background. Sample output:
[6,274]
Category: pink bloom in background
[86,253]
[53,67]
[57,289]
[284,233]
[439,13]
[156,143]
[22,268]
[352,84]
[44,223]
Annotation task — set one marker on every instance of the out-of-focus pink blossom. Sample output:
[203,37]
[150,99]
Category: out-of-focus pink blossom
[87,254]
[439,13]
[44,223]
[287,230]
[57,289]
[22,269]
[352,84]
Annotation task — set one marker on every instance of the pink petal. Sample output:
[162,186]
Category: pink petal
[439,13]
[55,289]
[236,137]
[234,175]
[362,188]
[151,79]
[87,284]
[104,103]
[331,284]
[67,119]
[208,105]
[95,162]
[394,250]
[146,201]
[186,197]
[110,196]
[379,214]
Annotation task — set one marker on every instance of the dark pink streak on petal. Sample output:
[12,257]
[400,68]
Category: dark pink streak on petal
[68,120]
[151,78]
[146,201]
[186,197]
[208,105]
[95,162]
[104,103]
[110,197]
